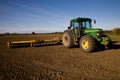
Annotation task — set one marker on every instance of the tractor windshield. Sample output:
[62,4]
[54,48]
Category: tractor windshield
[82,23]
[85,24]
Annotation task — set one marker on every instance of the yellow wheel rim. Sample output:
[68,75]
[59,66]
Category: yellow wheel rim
[85,44]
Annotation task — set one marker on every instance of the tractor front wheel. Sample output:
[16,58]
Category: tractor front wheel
[87,43]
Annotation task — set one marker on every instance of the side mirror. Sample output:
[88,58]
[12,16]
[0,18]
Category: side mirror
[94,21]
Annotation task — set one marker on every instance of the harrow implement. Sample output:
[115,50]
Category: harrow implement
[34,43]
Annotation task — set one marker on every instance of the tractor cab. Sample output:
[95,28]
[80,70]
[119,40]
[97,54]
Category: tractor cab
[80,23]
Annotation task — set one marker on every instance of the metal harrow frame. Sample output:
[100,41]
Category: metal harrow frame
[34,43]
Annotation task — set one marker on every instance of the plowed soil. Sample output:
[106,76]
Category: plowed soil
[57,62]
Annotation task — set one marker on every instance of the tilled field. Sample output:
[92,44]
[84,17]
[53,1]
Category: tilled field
[56,62]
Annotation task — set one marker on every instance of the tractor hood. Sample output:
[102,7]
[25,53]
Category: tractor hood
[93,30]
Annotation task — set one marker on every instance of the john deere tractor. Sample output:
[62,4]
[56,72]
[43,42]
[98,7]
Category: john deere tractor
[80,32]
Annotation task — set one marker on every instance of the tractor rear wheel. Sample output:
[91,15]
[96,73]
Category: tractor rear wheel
[87,43]
[68,39]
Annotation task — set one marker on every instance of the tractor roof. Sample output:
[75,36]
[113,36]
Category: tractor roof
[80,19]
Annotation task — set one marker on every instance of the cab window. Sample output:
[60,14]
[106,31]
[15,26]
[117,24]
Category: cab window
[75,25]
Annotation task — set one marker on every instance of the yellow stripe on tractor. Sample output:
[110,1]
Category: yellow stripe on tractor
[33,43]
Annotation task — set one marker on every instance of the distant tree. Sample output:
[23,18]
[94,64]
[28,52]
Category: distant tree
[33,33]
[7,33]
[14,33]
[1,34]
[116,30]
[107,31]
[58,32]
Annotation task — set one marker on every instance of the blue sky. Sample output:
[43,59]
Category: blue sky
[26,16]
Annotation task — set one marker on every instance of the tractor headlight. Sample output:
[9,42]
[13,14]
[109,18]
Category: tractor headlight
[99,34]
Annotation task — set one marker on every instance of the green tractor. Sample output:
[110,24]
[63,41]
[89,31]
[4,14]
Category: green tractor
[81,33]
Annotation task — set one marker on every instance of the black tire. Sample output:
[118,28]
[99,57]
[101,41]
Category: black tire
[67,39]
[87,43]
